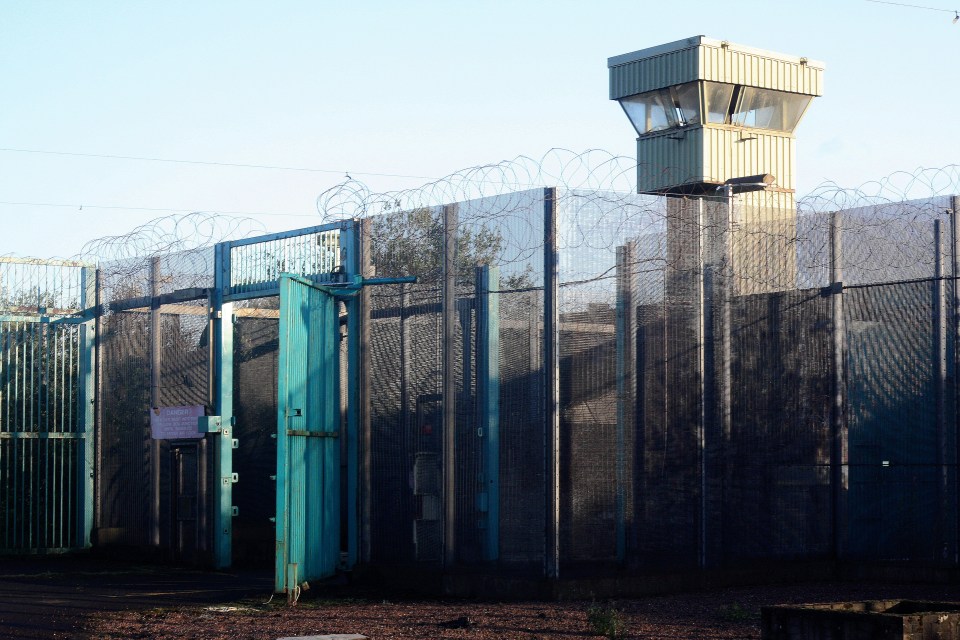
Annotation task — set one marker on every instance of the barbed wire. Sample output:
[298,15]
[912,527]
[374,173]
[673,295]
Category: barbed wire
[499,215]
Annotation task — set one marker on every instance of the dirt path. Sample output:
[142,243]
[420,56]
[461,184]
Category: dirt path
[51,597]
[95,598]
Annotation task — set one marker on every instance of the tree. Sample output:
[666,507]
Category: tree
[411,243]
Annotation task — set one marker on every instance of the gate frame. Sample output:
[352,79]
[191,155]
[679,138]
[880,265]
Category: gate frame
[85,317]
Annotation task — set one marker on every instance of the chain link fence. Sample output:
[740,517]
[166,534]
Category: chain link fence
[581,381]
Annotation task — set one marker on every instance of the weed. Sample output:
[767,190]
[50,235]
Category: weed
[734,613]
[607,621]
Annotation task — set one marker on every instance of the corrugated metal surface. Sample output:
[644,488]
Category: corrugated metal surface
[669,159]
[730,153]
[712,154]
[730,64]
[726,64]
[668,69]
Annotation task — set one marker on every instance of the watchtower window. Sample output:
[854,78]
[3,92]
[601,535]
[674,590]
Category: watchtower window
[677,106]
[717,97]
[766,109]
[733,104]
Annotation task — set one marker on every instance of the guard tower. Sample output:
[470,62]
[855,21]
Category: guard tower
[717,120]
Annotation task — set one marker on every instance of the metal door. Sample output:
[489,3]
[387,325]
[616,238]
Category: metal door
[308,449]
[186,482]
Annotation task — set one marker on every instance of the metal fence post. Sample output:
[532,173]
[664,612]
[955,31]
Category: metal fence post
[155,355]
[449,383]
[955,330]
[98,396]
[223,407]
[86,397]
[725,290]
[551,365]
[940,387]
[626,331]
[488,400]
[366,266]
[705,365]
[838,423]
[351,242]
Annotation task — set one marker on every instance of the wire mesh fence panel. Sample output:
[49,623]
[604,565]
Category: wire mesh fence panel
[469,436]
[124,478]
[894,443]
[407,424]
[256,342]
[149,492]
[405,394]
[53,287]
[777,488]
[522,465]
[184,381]
[601,265]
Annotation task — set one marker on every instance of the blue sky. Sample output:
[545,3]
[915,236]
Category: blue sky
[414,88]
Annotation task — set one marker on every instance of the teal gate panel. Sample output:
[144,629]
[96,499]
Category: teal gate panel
[308,449]
[45,435]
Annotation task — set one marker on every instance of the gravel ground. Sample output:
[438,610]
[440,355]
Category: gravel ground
[730,613]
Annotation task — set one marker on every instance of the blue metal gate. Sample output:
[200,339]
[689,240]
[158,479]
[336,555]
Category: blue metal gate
[308,447]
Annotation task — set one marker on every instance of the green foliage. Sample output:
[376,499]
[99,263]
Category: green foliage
[607,621]
[411,243]
[734,613]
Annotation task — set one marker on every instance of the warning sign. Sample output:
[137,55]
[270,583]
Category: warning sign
[175,423]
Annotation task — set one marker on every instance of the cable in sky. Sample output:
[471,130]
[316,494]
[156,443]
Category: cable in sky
[80,207]
[211,163]
[917,6]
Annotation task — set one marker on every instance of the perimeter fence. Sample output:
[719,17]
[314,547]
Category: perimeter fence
[581,380]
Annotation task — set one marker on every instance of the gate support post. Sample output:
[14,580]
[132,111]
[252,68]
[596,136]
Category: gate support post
[353,261]
[488,401]
[223,406]
[86,397]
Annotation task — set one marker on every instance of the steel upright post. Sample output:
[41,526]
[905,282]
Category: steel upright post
[155,369]
[838,423]
[86,415]
[940,389]
[449,384]
[626,331]
[704,329]
[366,433]
[551,367]
[223,406]
[488,400]
[351,242]
[98,404]
[955,321]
